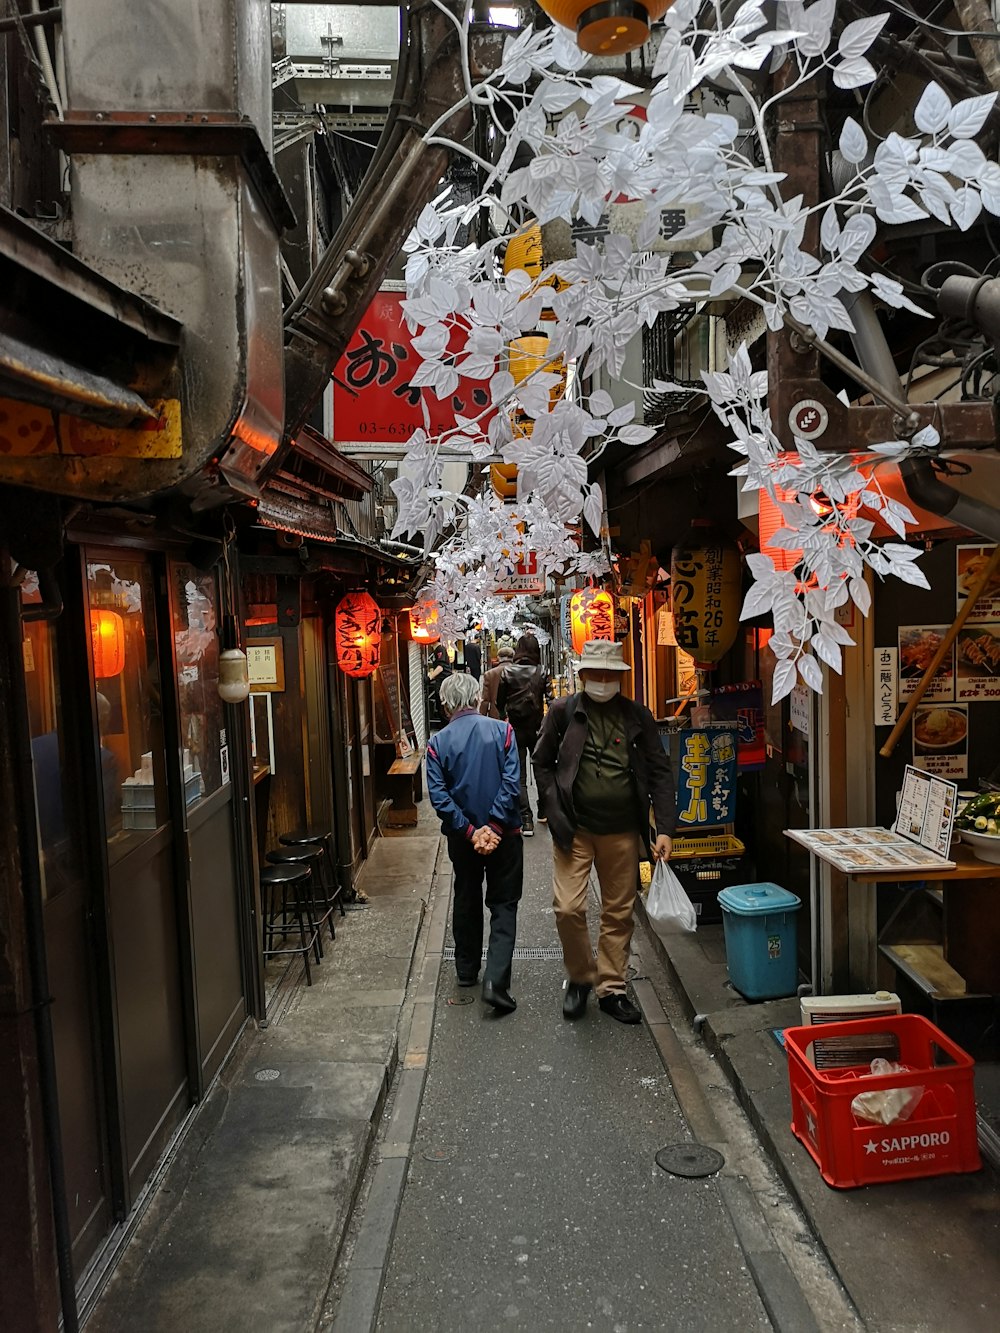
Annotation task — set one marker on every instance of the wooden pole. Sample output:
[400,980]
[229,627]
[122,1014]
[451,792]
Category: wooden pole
[975,593]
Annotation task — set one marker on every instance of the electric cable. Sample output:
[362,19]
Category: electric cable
[936,27]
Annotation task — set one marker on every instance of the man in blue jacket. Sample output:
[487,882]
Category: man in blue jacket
[474,782]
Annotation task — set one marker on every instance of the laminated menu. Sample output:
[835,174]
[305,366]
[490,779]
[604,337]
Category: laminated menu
[919,839]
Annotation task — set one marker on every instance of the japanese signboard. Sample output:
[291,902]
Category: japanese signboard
[374,400]
[743,706]
[523,578]
[706,784]
[886,696]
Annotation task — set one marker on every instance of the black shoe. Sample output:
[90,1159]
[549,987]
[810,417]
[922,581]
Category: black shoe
[470,980]
[575,999]
[527,828]
[620,1007]
[497,998]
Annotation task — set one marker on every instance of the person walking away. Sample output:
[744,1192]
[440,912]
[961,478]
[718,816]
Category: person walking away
[473,779]
[599,765]
[491,684]
[524,687]
[473,657]
[438,671]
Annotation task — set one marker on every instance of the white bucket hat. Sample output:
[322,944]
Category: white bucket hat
[602,655]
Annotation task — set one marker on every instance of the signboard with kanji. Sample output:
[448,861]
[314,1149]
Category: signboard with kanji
[706,778]
[374,401]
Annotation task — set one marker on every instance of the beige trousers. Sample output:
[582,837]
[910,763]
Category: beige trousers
[616,856]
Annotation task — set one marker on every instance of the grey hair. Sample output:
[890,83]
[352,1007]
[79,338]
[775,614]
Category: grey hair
[459,691]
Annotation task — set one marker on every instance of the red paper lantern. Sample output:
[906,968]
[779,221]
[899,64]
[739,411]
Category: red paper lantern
[359,634]
[423,623]
[771,519]
[107,634]
[591,616]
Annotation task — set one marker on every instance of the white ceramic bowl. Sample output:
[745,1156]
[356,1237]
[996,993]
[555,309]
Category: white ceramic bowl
[985,846]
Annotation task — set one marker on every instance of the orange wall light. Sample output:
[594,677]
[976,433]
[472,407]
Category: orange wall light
[771,519]
[423,623]
[359,634]
[591,616]
[107,634]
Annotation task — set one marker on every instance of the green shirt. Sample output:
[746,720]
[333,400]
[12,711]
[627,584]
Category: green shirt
[604,790]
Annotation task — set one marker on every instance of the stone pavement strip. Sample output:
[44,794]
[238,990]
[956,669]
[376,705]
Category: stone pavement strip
[247,1225]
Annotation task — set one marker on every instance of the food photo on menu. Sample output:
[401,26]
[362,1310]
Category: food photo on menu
[971,562]
[978,656]
[917,646]
[941,739]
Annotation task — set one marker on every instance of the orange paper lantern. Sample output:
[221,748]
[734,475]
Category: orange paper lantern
[423,623]
[359,634]
[608,27]
[771,519]
[591,616]
[107,634]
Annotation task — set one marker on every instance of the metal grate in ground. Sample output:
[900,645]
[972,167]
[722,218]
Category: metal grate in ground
[550,954]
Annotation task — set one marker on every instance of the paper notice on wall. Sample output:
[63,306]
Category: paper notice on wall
[941,740]
[917,646]
[970,562]
[665,636]
[798,709]
[886,679]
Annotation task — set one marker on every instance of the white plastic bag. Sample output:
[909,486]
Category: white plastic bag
[889,1105]
[668,907]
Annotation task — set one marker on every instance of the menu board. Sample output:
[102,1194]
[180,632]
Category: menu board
[919,839]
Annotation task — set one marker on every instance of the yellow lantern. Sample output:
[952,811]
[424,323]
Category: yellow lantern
[609,27]
[591,616]
[705,594]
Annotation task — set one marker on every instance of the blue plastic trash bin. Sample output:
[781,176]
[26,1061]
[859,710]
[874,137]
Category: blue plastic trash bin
[761,939]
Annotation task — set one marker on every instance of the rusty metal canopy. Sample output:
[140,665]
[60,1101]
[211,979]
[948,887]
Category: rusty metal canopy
[33,374]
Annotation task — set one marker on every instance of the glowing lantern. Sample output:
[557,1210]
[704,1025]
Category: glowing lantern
[423,623]
[591,616]
[771,519]
[359,634]
[107,634]
[705,594]
[609,27]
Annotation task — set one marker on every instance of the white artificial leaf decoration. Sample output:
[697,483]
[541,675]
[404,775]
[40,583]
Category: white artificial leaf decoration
[811,672]
[932,110]
[857,37]
[783,681]
[968,117]
[853,142]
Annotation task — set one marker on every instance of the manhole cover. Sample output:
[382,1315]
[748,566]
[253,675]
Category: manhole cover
[689,1159]
[462,999]
[267,1075]
[440,1154]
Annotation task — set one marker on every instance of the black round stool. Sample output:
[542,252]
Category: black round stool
[310,858]
[285,890]
[328,867]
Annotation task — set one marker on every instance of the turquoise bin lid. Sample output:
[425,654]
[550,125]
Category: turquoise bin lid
[756,899]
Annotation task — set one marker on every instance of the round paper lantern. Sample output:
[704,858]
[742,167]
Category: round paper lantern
[107,634]
[705,594]
[609,27]
[359,634]
[423,623]
[591,616]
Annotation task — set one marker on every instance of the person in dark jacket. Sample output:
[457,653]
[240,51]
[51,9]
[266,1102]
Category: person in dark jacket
[473,657]
[438,670]
[491,684]
[473,779]
[524,686]
[600,765]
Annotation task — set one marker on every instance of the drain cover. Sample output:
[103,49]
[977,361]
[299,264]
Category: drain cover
[267,1075]
[440,1154]
[689,1159]
[462,999]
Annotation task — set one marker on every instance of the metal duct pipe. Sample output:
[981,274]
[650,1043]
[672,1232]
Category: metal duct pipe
[965,298]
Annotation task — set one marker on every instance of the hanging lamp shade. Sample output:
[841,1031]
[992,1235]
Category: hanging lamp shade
[609,27]
[358,623]
[705,571]
[591,616]
[524,250]
[771,519]
[423,623]
[107,634]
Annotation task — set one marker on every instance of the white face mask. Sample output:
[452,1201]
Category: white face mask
[601,691]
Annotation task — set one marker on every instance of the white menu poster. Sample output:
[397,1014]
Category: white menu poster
[926,810]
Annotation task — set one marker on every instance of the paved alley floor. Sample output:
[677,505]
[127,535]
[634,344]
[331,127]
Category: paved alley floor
[532,1199]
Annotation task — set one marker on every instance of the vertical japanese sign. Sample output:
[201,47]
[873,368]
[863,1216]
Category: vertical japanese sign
[706,787]
[886,697]
[374,399]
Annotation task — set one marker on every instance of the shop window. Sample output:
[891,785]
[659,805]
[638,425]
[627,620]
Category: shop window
[204,747]
[126,682]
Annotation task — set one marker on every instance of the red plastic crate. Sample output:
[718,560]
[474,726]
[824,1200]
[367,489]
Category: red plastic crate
[938,1139]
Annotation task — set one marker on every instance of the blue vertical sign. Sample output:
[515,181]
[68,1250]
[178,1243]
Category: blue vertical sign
[706,779]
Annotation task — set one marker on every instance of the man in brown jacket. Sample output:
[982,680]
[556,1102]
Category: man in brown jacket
[491,683]
[600,766]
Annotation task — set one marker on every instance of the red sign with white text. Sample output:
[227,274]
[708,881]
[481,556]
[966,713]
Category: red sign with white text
[373,399]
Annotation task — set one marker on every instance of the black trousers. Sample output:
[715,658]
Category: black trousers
[503,871]
[525,744]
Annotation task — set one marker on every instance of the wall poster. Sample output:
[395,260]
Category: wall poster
[970,562]
[917,646]
[941,740]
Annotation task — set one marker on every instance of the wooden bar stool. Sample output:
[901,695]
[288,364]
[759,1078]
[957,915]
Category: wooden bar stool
[285,889]
[328,867]
[311,895]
